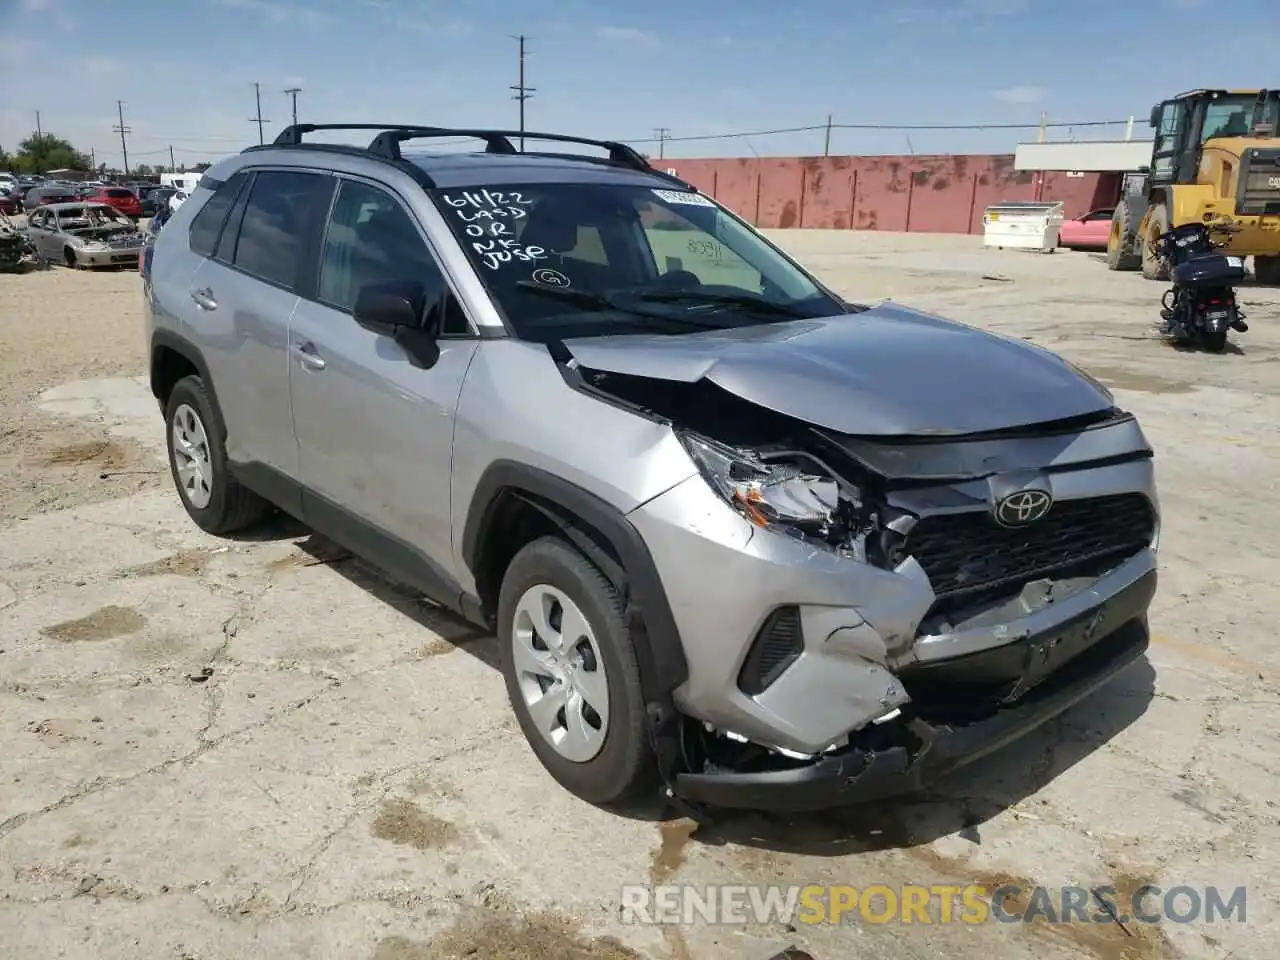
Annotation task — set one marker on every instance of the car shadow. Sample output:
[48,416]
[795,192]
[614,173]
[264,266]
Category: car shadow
[446,625]
[960,803]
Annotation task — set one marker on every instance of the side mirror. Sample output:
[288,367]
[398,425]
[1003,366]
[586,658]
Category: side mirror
[399,309]
[385,306]
[1155,116]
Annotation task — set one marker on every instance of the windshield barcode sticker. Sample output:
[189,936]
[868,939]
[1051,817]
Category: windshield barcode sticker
[685,197]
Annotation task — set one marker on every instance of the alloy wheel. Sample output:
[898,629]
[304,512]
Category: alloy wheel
[560,673]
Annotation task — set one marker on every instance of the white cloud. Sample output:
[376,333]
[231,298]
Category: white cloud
[1020,94]
[993,8]
[278,11]
[624,35]
[99,67]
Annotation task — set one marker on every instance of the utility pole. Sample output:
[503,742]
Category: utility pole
[257,96]
[522,93]
[292,93]
[39,132]
[121,129]
[662,135]
[171,158]
[93,159]
[826,142]
[1044,125]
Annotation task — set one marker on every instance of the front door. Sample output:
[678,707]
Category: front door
[375,433]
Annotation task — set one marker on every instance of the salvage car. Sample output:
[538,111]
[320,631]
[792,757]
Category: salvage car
[85,235]
[738,537]
[1089,232]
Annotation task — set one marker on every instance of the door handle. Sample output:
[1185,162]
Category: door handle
[204,299]
[307,356]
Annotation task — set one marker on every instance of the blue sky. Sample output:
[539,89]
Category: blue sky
[185,68]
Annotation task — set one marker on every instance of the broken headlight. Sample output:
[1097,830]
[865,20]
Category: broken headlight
[786,492]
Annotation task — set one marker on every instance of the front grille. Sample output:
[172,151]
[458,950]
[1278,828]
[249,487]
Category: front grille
[969,555]
[776,646]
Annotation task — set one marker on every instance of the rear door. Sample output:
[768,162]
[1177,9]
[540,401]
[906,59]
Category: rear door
[244,295]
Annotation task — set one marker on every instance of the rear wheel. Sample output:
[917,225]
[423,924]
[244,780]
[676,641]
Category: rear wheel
[1266,270]
[1120,253]
[1215,342]
[198,463]
[1153,267]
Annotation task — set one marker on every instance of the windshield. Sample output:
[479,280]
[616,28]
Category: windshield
[1232,116]
[586,259]
[92,218]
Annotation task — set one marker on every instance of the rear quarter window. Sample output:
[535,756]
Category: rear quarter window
[207,224]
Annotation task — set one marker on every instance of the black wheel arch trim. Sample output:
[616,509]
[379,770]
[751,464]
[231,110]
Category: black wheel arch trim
[180,345]
[659,653]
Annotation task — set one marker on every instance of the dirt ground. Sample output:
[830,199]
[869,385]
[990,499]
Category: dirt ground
[226,748]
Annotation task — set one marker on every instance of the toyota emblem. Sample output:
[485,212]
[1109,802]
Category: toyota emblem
[1021,508]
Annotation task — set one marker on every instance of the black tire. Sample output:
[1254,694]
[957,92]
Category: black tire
[625,763]
[1153,267]
[1266,271]
[69,258]
[1120,245]
[1215,342]
[231,507]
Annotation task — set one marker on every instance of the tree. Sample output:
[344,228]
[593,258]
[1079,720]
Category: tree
[47,151]
[143,170]
[6,161]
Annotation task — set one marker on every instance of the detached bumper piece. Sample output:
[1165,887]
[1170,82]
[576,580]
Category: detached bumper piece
[858,774]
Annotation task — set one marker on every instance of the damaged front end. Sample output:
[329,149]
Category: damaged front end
[17,252]
[971,627]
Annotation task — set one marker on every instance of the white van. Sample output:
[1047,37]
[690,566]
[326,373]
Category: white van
[185,182]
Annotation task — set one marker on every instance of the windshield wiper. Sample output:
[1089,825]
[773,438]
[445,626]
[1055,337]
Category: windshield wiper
[747,300]
[599,301]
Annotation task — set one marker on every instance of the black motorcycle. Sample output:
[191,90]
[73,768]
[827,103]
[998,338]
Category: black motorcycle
[1201,305]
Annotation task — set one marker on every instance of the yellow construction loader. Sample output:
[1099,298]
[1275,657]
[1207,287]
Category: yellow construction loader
[1215,158]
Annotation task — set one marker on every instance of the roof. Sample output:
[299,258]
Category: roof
[1101,156]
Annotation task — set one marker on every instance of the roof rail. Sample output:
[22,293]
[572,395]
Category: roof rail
[291,136]
[386,145]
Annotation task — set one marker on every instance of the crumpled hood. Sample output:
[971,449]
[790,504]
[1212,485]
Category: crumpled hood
[889,371]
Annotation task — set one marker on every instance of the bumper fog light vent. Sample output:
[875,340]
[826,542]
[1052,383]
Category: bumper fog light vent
[778,644]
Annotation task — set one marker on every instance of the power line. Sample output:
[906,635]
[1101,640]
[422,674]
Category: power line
[121,129]
[522,92]
[660,137]
[257,96]
[292,93]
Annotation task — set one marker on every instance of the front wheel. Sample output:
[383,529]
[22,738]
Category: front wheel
[1153,265]
[571,673]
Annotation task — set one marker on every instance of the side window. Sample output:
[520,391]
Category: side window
[208,222]
[681,244]
[371,238]
[273,232]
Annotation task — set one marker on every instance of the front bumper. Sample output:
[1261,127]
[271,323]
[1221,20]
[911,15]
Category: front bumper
[1073,662]
[119,257]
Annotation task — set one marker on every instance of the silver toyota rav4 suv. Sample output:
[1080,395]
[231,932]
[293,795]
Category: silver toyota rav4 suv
[739,539]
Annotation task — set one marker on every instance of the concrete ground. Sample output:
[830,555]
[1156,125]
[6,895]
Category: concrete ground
[218,749]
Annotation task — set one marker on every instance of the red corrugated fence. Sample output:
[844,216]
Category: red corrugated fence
[927,194]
